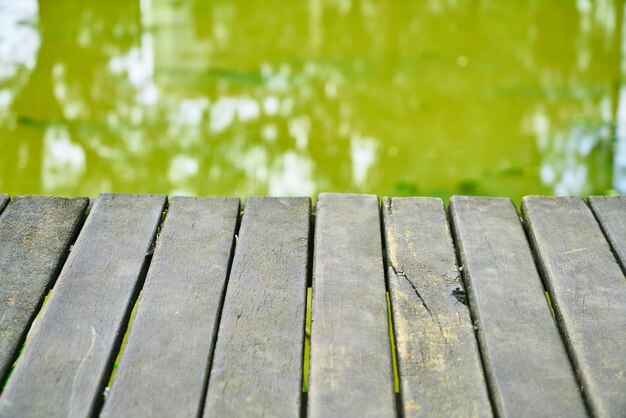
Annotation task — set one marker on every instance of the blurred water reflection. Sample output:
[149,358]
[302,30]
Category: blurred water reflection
[293,98]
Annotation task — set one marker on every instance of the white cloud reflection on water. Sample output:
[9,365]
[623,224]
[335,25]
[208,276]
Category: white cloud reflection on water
[19,37]
[64,162]
[565,153]
[19,43]
[363,152]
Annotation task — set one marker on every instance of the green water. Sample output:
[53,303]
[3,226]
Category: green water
[493,97]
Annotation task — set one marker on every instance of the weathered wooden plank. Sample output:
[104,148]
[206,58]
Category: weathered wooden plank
[35,235]
[4,199]
[257,364]
[72,342]
[526,364]
[439,364]
[165,361]
[351,372]
[588,290]
[611,214]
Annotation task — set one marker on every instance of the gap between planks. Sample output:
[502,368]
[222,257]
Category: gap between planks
[131,309]
[218,319]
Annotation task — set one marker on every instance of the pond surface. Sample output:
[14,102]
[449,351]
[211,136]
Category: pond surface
[493,97]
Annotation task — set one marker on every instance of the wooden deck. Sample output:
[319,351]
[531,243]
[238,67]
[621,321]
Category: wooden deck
[137,306]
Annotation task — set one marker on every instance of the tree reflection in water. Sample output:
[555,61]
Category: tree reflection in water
[275,97]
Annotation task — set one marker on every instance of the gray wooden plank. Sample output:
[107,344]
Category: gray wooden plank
[35,235]
[588,291]
[165,361]
[4,199]
[610,212]
[72,342]
[257,364]
[439,364]
[351,372]
[525,360]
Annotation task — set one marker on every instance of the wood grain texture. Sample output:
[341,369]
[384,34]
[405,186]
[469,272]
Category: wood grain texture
[351,372]
[439,364]
[35,235]
[610,212]
[257,364]
[525,361]
[165,362]
[588,291]
[72,342]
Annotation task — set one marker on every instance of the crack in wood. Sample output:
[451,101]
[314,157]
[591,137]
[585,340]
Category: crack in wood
[399,273]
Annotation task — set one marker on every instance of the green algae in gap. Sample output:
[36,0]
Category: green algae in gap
[121,350]
[392,340]
[550,304]
[307,341]
[45,300]
[6,381]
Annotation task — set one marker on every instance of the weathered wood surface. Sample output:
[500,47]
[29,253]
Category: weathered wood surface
[72,342]
[351,372]
[611,214]
[439,363]
[257,364]
[35,235]
[165,361]
[202,343]
[588,290]
[525,361]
